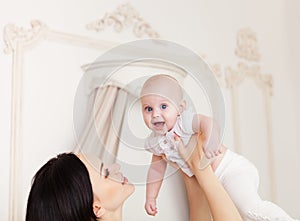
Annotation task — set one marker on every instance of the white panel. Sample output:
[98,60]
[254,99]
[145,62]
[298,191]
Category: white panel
[254,143]
[50,74]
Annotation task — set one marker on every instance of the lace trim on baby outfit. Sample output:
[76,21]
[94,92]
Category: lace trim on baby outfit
[268,211]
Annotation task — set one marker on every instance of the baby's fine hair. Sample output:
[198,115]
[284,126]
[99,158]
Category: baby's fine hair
[164,85]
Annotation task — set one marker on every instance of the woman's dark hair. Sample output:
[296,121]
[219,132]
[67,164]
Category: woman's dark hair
[61,191]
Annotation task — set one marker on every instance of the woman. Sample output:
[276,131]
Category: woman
[69,188]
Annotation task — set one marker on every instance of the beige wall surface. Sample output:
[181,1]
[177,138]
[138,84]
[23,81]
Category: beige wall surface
[210,29]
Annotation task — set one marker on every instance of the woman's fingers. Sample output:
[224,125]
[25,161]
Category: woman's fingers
[193,153]
[186,151]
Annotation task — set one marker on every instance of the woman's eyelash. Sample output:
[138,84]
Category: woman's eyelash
[101,167]
[106,171]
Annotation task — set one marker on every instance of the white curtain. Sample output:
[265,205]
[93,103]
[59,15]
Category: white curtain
[101,136]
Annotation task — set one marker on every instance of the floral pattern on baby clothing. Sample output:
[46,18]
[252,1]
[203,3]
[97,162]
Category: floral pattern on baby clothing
[165,144]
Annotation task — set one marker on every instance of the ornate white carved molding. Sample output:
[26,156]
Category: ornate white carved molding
[216,70]
[124,17]
[235,76]
[247,49]
[247,45]
[13,34]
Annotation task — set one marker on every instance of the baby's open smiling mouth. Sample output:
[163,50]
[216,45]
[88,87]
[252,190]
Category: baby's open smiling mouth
[159,124]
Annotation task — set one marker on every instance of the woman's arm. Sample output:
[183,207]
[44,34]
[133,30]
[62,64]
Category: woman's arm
[198,205]
[220,204]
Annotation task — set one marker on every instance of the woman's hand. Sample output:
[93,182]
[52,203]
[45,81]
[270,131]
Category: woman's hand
[193,153]
[190,153]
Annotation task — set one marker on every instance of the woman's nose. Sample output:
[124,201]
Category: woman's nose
[115,174]
[114,168]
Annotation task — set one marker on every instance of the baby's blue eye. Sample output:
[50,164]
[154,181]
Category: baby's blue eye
[163,106]
[148,109]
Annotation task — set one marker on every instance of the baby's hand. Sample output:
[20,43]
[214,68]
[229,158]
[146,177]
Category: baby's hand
[150,207]
[208,152]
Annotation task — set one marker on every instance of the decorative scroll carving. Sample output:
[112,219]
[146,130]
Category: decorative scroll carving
[216,68]
[124,17]
[234,77]
[247,45]
[13,34]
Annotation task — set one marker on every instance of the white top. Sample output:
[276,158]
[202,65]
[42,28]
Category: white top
[165,144]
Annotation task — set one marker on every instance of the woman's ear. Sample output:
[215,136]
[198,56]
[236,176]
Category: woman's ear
[182,105]
[99,211]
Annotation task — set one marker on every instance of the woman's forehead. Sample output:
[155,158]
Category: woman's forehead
[91,159]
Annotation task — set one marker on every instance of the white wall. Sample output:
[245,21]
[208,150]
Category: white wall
[207,27]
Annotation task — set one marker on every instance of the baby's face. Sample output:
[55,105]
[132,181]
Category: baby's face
[159,113]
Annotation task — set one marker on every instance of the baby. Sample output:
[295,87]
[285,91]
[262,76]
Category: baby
[165,114]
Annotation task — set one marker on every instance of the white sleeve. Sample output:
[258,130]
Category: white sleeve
[152,145]
[187,117]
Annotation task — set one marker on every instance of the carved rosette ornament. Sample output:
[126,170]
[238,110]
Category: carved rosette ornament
[13,34]
[247,45]
[124,17]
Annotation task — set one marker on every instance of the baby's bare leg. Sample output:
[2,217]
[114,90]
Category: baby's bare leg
[199,209]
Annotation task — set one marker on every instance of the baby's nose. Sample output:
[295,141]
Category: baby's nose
[155,113]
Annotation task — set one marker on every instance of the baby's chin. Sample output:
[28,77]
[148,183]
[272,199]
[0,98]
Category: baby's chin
[162,131]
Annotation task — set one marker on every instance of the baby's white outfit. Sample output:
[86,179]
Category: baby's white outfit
[165,144]
[240,179]
[238,175]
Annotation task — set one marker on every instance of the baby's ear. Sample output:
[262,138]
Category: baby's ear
[99,211]
[182,105]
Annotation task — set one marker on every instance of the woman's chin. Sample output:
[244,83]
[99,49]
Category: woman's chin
[131,187]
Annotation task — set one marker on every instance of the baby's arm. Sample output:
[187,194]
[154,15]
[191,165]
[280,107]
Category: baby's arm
[154,180]
[211,131]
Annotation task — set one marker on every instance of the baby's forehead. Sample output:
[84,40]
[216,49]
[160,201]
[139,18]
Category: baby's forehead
[155,98]
[161,80]
[162,85]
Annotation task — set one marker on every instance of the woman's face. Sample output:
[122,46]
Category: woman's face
[108,183]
